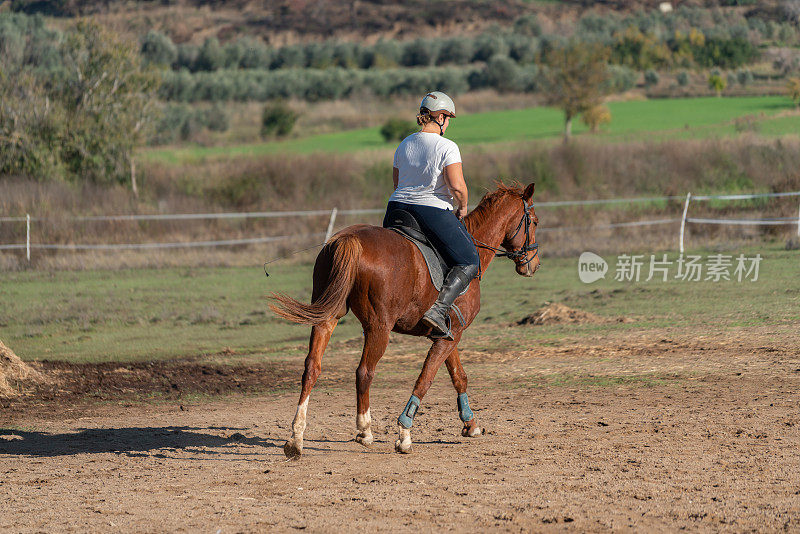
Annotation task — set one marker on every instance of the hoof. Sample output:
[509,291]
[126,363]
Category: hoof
[471,429]
[291,450]
[402,447]
[365,440]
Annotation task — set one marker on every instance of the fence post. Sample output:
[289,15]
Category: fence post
[683,219]
[28,236]
[330,224]
[798,222]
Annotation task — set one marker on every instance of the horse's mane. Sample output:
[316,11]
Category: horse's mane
[486,207]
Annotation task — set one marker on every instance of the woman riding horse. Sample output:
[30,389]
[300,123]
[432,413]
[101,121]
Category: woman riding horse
[427,177]
[383,278]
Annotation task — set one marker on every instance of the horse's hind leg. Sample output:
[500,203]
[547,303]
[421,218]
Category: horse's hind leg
[320,335]
[375,341]
[459,378]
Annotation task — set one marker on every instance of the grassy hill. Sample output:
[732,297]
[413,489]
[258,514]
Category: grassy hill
[694,118]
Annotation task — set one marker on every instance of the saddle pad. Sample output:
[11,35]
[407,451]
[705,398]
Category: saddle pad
[435,267]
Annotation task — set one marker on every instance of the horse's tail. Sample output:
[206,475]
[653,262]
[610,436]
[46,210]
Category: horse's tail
[346,253]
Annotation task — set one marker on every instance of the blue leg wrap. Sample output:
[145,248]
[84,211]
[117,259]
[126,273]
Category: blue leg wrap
[406,418]
[463,408]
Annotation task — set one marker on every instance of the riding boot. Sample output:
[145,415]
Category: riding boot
[456,281]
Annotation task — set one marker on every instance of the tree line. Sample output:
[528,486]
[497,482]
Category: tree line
[687,38]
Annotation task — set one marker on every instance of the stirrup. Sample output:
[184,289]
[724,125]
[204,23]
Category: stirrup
[446,335]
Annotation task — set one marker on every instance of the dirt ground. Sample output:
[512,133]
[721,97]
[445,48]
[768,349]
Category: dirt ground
[648,431]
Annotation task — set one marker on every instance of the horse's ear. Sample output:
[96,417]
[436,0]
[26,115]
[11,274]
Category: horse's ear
[528,194]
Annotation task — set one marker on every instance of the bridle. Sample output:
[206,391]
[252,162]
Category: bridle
[522,252]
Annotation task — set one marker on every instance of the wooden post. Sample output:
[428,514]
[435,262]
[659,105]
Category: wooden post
[683,219]
[330,224]
[28,236]
[134,188]
[798,222]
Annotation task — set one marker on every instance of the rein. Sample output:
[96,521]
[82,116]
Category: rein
[520,253]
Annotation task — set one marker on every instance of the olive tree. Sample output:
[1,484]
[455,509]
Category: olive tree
[83,121]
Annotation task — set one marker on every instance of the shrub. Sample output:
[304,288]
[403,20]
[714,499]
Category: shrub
[210,56]
[383,54]
[397,130]
[793,90]
[278,119]
[346,55]
[530,79]
[169,125]
[489,45]
[744,77]
[523,49]
[420,53]
[528,25]
[502,73]
[651,78]
[177,86]
[596,116]
[187,57]
[717,83]
[158,49]
[289,57]
[456,50]
[452,81]
[255,55]
[216,86]
[216,119]
[232,55]
[620,79]
[319,55]
[683,78]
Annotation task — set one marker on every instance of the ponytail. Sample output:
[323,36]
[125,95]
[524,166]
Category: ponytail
[424,116]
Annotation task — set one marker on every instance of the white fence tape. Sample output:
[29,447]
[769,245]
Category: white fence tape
[605,226]
[332,214]
[745,197]
[747,222]
[179,244]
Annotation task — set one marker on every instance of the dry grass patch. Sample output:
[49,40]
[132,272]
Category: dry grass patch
[16,374]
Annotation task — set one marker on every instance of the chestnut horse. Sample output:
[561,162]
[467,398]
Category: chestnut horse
[383,278]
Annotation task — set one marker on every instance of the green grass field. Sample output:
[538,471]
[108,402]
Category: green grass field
[148,314]
[660,119]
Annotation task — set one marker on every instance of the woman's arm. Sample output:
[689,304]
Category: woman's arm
[395,176]
[454,176]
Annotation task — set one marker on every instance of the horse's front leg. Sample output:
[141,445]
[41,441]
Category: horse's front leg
[459,378]
[320,335]
[438,353]
[375,342]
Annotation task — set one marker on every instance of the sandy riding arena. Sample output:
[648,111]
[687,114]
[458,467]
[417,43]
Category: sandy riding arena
[652,431]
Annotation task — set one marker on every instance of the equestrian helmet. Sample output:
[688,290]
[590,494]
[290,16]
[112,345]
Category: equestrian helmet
[438,101]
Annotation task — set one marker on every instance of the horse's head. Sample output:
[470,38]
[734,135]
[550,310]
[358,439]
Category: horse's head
[520,237]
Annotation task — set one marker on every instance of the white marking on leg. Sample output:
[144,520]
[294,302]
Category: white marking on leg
[294,447]
[299,423]
[364,426]
[403,444]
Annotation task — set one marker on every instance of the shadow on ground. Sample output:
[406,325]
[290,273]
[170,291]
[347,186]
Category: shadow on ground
[126,441]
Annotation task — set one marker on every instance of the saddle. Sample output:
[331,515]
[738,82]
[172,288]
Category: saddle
[405,224]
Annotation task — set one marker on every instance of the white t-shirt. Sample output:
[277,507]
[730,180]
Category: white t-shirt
[421,159]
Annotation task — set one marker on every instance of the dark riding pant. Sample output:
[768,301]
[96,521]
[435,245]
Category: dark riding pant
[447,234]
